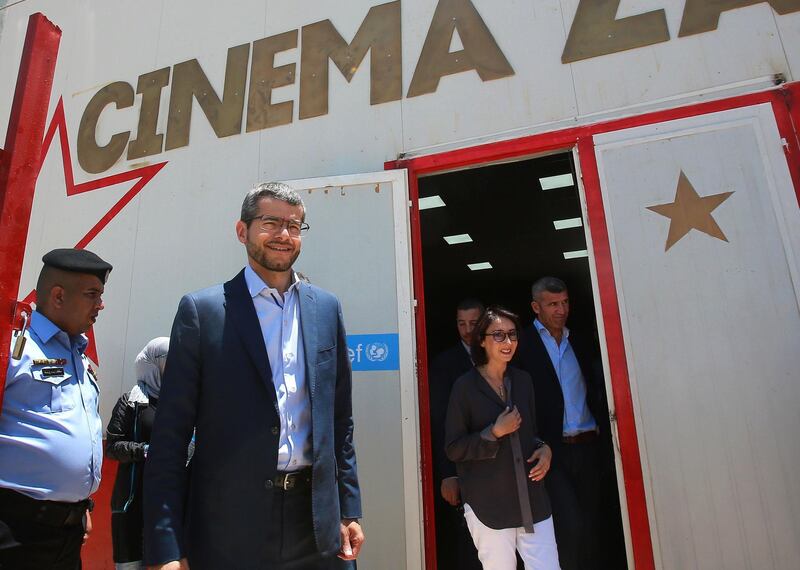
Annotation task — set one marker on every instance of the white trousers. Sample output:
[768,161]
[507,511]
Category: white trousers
[496,548]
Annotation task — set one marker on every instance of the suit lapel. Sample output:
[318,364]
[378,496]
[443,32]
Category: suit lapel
[239,307]
[540,355]
[464,357]
[308,326]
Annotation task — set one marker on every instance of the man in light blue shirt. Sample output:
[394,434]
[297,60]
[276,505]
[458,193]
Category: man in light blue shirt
[258,370]
[50,427]
[572,416]
[279,317]
[577,417]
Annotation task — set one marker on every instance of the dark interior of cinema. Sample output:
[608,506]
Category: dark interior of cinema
[511,221]
[488,233]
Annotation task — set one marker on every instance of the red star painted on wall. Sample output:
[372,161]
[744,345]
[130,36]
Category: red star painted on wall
[140,176]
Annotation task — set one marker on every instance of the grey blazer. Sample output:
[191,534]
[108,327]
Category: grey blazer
[486,467]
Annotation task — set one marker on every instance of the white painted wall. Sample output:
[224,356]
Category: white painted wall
[177,234]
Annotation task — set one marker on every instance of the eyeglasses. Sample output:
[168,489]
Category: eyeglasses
[501,336]
[275,225]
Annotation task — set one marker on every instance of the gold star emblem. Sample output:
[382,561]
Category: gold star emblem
[690,211]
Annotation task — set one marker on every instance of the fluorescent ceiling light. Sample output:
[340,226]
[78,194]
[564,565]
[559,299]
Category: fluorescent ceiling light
[479,266]
[431,202]
[460,238]
[576,254]
[560,181]
[568,223]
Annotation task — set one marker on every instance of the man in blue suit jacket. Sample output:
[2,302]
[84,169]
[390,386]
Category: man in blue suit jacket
[258,368]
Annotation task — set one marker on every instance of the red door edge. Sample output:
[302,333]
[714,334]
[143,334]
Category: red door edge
[783,100]
[636,503]
[787,116]
[423,395]
[19,167]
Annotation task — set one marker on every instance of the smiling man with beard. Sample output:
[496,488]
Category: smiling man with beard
[259,368]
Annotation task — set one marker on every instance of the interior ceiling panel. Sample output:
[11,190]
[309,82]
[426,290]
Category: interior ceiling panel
[510,220]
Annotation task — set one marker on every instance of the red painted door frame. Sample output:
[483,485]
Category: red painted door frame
[785,102]
[19,165]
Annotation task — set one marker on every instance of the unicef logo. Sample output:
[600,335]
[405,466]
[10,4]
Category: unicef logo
[372,352]
[377,351]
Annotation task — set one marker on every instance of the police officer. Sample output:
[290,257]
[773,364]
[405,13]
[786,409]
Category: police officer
[50,427]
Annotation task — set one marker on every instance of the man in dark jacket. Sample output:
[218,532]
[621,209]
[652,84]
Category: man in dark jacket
[454,546]
[572,416]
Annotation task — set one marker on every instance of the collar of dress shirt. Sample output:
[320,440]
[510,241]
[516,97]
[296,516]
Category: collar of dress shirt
[46,329]
[543,329]
[255,285]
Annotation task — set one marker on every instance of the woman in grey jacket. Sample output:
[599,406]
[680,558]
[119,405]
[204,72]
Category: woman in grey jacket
[501,463]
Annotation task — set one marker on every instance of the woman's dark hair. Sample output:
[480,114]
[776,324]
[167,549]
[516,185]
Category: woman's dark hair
[492,314]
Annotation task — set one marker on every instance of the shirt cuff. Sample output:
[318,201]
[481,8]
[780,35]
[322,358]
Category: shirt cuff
[487,433]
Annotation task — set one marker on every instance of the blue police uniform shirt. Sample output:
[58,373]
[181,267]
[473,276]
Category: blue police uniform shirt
[51,438]
[577,417]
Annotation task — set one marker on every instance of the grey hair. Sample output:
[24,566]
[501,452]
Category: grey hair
[550,284]
[276,190]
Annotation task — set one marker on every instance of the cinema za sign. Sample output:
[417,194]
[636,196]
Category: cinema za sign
[594,32]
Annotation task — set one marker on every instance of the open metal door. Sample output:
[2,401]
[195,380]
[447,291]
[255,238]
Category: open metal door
[361,252]
[704,234]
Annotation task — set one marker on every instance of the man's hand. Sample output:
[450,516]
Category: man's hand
[88,528]
[451,491]
[541,459]
[181,564]
[352,539]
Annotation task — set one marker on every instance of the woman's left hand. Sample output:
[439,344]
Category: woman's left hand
[541,459]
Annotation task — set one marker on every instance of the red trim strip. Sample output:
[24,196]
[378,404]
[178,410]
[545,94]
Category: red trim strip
[19,168]
[563,139]
[787,116]
[641,541]
[144,174]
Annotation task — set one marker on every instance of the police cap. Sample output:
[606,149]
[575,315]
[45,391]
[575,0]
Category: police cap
[78,261]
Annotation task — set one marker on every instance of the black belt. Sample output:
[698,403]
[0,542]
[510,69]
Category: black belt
[291,480]
[582,437]
[50,513]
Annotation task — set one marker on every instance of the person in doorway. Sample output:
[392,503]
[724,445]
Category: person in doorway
[51,434]
[491,436]
[259,365]
[454,547]
[127,441]
[573,417]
